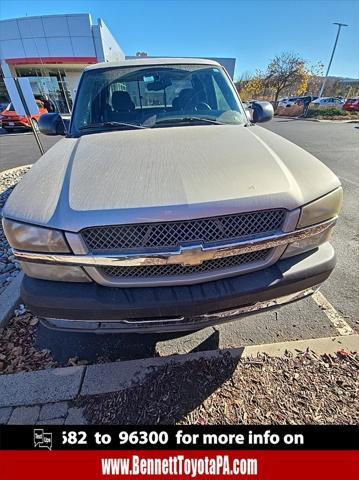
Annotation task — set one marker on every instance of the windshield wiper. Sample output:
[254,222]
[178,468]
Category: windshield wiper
[110,125]
[188,120]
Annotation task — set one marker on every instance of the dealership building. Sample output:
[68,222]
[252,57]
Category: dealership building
[52,51]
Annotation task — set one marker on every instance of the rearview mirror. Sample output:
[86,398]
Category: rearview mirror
[262,112]
[52,124]
[158,85]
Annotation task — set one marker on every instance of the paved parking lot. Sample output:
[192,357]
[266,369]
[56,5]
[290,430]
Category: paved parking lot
[20,148]
[333,312]
[336,145]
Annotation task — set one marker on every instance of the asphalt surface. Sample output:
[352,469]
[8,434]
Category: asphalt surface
[337,145]
[20,148]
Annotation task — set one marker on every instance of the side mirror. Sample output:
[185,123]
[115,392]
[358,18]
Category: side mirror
[51,124]
[262,112]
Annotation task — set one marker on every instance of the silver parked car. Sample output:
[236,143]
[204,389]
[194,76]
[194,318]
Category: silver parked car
[326,102]
[166,208]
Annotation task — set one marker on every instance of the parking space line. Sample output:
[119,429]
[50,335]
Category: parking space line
[321,346]
[337,320]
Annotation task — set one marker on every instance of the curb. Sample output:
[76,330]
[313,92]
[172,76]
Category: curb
[9,299]
[43,386]
[330,121]
[316,119]
[116,376]
[67,383]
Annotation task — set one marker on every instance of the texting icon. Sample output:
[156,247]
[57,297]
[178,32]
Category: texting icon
[42,439]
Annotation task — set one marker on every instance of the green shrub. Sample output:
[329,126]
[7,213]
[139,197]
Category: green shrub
[327,112]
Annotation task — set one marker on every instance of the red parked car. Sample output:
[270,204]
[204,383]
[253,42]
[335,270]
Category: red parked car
[9,119]
[352,104]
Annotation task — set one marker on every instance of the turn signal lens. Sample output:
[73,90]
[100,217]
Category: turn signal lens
[322,209]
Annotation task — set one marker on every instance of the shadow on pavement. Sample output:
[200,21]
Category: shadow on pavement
[166,396]
[283,120]
[108,347]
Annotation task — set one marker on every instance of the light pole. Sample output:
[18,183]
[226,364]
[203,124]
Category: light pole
[340,25]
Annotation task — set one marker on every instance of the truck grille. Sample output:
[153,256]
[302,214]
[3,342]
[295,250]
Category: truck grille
[152,271]
[173,234]
[170,236]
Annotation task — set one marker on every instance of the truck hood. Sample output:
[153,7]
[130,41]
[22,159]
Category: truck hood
[166,174]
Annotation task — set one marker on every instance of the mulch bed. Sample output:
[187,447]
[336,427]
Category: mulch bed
[20,350]
[303,390]
[17,346]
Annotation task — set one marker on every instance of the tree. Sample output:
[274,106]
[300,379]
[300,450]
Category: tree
[284,71]
[316,78]
[287,74]
[303,82]
[255,86]
[141,54]
[251,86]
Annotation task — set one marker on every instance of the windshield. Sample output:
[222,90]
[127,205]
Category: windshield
[155,96]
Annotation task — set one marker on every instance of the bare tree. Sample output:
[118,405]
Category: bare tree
[315,79]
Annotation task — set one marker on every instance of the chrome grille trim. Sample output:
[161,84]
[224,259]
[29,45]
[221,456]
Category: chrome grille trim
[188,255]
[206,231]
[179,256]
[161,271]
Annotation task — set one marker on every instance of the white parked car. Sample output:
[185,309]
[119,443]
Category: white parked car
[329,102]
[287,102]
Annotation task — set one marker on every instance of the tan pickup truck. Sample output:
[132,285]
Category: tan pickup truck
[166,208]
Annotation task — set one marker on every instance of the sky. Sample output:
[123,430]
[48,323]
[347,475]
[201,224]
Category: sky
[252,31]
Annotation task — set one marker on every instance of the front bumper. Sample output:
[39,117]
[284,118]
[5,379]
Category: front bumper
[177,308]
[14,124]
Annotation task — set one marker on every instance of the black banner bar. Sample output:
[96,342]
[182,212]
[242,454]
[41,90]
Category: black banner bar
[241,437]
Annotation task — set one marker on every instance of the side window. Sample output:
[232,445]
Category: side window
[222,103]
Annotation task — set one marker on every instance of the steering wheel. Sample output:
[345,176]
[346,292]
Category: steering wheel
[202,106]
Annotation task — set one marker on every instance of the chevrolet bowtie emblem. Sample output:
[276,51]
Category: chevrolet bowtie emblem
[191,255]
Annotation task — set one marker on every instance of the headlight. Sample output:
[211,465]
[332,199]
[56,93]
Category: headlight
[315,212]
[23,236]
